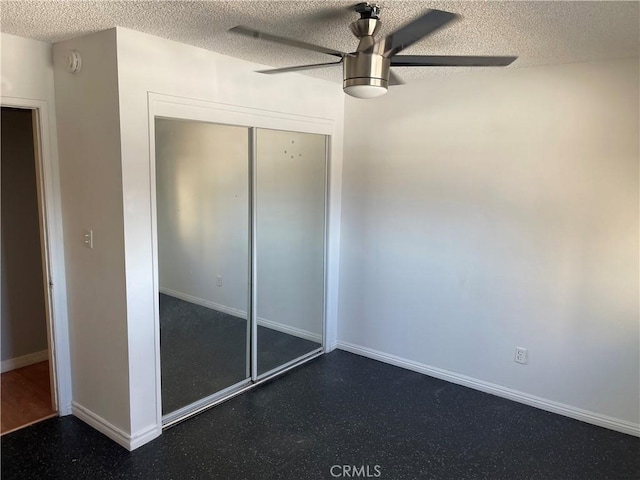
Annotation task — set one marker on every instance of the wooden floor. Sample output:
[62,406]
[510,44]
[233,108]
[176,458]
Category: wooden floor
[26,397]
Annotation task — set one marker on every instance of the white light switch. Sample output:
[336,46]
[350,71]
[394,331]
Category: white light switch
[87,238]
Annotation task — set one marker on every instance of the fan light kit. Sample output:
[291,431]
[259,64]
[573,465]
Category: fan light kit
[367,71]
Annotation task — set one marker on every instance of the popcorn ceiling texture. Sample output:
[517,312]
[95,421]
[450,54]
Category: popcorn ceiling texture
[539,33]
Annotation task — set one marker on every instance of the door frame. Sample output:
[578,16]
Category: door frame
[52,247]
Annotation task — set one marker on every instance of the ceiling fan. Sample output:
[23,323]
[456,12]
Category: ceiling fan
[367,71]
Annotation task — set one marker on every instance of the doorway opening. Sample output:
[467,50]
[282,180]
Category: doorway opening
[28,382]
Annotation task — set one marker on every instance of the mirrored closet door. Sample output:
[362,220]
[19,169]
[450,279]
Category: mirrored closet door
[290,226]
[240,216]
[202,198]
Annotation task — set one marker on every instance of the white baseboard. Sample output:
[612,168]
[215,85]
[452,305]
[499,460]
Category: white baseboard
[145,436]
[498,390]
[100,424]
[130,442]
[296,332]
[23,361]
[204,303]
[280,327]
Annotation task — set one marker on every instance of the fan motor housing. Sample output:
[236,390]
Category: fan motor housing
[366,69]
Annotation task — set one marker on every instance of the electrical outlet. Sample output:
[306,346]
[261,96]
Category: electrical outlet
[522,355]
[219,280]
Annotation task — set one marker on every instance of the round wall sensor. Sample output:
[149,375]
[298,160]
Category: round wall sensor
[74,61]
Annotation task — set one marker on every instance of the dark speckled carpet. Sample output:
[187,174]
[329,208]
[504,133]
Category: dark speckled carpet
[203,351]
[340,409]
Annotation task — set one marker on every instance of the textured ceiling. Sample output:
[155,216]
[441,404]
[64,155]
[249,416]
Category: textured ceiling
[537,32]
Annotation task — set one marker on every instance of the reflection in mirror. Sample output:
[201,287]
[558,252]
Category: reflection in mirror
[290,234]
[203,216]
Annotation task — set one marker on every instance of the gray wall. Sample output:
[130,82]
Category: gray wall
[24,328]
[500,209]
[88,125]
